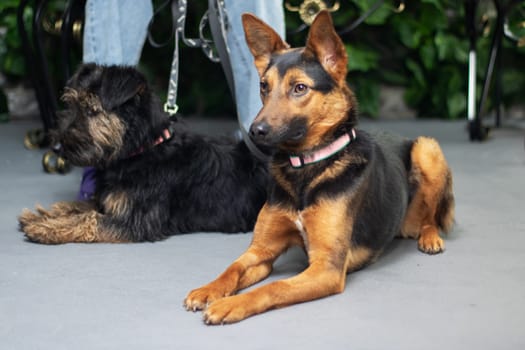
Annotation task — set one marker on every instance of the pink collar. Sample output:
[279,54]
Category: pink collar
[166,135]
[323,153]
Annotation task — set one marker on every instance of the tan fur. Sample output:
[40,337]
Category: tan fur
[322,226]
[108,131]
[334,171]
[328,47]
[65,222]
[431,175]
[279,177]
[324,229]
[116,204]
[358,258]
[326,111]
[262,42]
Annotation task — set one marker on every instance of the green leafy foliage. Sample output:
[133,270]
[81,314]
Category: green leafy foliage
[11,54]
[12,59]
[425,50]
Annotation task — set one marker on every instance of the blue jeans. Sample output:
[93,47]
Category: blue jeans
[115,30]
[246,79]
[114,33]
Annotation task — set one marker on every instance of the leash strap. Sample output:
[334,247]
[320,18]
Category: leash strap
[217,19]
[219,25]
[178,11]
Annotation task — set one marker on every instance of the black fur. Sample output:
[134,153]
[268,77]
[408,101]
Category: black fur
[377,164]
[185,184]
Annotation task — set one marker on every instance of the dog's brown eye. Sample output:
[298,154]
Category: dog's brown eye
[300,89]
[264,87]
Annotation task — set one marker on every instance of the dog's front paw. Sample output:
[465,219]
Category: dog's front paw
[228,310]
[199,299]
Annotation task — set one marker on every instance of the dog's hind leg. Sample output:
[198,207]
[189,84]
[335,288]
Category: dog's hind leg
[59,209]
[65,222]
[432,206]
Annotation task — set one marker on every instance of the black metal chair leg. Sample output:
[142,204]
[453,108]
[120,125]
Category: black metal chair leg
[477,132]
[494,53]
[45,78]
[74,10]
[33,138]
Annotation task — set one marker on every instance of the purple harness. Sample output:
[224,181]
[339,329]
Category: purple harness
[87,185]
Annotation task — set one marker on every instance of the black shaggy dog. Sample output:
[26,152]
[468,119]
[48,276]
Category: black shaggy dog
[154,178]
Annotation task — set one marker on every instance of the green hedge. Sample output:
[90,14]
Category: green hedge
[423,49]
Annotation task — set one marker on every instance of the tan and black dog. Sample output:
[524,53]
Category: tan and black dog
[339,192]
[154,177]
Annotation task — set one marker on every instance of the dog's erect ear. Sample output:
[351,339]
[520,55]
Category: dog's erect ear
[327,46]
[262,41]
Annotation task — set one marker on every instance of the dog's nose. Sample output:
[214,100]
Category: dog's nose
[259,130]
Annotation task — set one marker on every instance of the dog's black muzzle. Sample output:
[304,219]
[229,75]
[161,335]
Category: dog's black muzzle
[265,135]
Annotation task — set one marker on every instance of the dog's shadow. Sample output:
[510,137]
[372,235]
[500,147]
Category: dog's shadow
[394,251]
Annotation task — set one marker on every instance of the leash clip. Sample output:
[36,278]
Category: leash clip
[171,109]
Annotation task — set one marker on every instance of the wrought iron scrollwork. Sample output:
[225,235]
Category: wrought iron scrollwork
[308,9]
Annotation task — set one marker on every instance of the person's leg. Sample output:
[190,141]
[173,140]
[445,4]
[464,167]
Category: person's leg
[114,33]
[115,30]
[245,76]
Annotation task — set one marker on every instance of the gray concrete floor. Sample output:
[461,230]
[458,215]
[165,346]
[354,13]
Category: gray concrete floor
[129,296]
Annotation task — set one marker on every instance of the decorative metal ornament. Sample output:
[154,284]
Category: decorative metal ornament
[400,7]
[54,163]
[55,28]
[309,9]
[35,139]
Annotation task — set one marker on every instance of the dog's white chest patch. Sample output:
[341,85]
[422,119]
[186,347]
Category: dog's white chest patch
[302,231]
